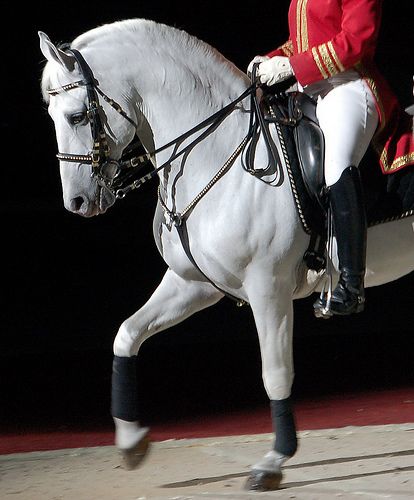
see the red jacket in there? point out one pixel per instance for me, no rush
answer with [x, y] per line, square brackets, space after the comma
[331, 36]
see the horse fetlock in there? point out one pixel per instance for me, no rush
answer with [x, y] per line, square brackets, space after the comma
[271, 462]
[266, 475]
[128, 434]
[132, 442]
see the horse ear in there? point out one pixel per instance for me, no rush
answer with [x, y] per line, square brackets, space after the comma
[53, 53]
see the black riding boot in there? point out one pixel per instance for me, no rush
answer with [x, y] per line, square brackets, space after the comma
[350, 228]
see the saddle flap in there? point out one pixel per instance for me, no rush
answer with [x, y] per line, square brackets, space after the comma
[310, 143]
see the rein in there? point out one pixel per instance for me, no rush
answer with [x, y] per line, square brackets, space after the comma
[99, 158]
[211, 122]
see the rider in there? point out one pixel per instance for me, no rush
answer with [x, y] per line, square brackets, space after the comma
[330, 52]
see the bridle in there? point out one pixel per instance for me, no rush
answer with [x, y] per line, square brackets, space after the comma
[122, 171]
[99, 157]
[117, 175]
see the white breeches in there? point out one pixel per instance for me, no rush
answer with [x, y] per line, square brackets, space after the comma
[348, 117]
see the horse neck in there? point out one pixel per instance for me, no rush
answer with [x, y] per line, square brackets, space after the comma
[174, 111]
[180, 87]
[171, 82]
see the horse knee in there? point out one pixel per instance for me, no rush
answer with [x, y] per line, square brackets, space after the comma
[278, 383]
[127, 341]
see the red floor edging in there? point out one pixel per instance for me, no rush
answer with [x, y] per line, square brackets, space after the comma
[394, 406]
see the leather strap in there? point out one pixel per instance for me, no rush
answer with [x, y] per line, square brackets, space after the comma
[185, 242]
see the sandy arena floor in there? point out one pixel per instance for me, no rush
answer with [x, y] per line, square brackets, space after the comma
[372, 462]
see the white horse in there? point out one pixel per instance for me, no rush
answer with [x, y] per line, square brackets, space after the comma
[245, 235]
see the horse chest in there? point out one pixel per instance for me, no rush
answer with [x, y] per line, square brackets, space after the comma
[170, 247]
[210, 245]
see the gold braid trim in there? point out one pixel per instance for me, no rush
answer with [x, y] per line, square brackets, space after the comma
[402, 160]
[399, 162]
[327, 60]
[304, 26]
[287, 48]
[335, 56]
[298, 26]
[298, 36]
[319, 63]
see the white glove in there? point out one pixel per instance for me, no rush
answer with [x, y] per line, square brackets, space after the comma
[255, 60]
[410, 109]
[274, 70]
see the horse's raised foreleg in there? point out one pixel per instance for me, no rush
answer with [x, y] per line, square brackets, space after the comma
[273, 313]
[174, 300]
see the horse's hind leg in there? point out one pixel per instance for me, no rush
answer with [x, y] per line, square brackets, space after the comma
[273, 313]
[174, 300]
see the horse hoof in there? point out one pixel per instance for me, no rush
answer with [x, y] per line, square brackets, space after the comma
[263, 481]
[133, 457]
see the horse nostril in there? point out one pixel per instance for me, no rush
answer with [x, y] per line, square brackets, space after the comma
[76, 204]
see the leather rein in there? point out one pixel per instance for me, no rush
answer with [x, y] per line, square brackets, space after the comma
[121, 169]
[114, 174]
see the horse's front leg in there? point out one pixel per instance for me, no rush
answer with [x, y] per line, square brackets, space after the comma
[174, 300]
[273, 312]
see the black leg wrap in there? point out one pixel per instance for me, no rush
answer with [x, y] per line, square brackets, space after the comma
[284, 426]
[124, 389]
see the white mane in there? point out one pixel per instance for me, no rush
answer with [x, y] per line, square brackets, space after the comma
[159, 46]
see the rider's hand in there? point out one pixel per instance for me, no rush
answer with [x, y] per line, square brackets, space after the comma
[274, 70]
[255, 60]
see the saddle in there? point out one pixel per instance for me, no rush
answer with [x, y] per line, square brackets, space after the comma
[309, 144]
[387, 197]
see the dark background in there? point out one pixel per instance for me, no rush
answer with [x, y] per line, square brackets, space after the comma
[69, 282]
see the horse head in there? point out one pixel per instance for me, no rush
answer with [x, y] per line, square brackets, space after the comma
[91, 132]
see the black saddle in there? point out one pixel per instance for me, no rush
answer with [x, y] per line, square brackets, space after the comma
[310, 144]
[303, 140]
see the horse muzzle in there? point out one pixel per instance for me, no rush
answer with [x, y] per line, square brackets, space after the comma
[87, 206]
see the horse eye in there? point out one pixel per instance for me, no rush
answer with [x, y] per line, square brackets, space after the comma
[77, 118]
